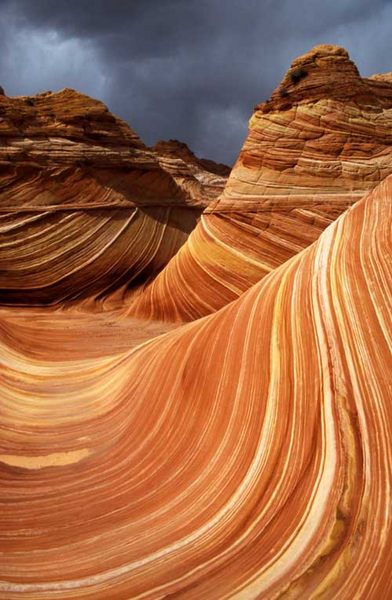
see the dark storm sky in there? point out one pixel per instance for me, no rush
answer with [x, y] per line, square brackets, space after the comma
[185, 69]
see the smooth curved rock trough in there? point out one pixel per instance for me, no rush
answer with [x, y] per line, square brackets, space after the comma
[257, 468]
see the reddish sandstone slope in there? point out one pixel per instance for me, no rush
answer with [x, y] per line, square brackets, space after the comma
[85, 208]
[246, 455]
[321, 141]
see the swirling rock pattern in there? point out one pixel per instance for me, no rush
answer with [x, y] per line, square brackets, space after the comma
[86, 210]
[321, 142]
[245, 455]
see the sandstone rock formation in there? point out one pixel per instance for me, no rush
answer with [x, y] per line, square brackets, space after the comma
[202, 178]
[86, 209]
[246, 454]
[321, 141]
[260, 468]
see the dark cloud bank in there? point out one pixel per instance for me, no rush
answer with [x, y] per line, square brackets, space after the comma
[185, 69]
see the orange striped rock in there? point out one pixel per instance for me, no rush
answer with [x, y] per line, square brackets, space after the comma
[245, 455]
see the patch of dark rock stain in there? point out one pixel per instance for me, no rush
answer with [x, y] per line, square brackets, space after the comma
[297, 75]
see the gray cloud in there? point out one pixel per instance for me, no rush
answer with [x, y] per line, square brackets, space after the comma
[186, 69]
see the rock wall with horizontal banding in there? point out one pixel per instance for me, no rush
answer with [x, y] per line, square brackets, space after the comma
[322, 140]
[87, 211]
[245, 455]
[200, 177]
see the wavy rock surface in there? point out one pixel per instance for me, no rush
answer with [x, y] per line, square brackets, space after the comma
[86, 209]
[321, 142]
[260, 468]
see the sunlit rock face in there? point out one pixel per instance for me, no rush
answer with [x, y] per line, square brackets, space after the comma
[86, 209]
[322, 141]
[245, 455]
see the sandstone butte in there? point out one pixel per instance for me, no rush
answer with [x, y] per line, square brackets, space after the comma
[85, 208]
[246, 454]
[322, 140]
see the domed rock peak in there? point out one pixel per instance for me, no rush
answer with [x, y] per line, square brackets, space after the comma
[325, 71]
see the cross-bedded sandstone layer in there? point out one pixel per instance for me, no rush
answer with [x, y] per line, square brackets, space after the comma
[321, 142]
[86, 209]
[245, 455]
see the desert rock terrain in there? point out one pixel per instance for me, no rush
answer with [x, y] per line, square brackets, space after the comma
[195, 362]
